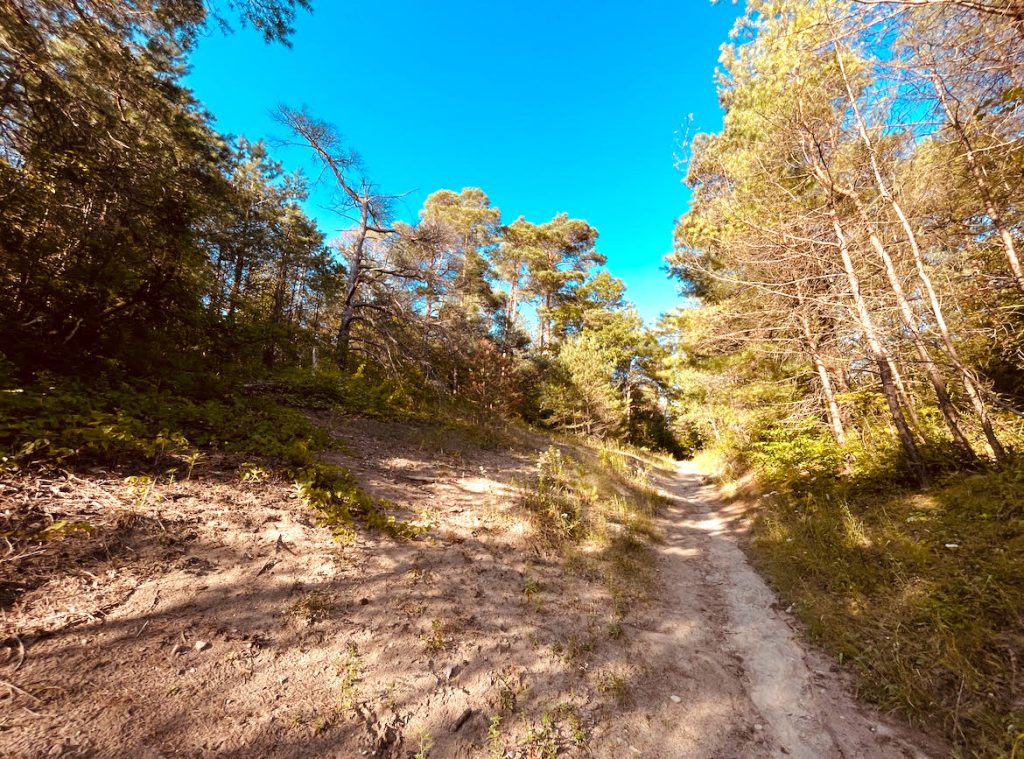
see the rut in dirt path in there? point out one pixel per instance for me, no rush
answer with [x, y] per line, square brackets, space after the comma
[742, 683]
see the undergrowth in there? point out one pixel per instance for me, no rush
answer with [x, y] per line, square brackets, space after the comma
[144, 429]
[921, 592]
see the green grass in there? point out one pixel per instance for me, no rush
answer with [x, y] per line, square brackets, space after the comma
[146, 429]
[52, 423]
[922, 593]
[340, 502]
[350, 673]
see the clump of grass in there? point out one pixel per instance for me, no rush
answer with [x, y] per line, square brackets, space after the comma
[578, 498]
[614, 628]
[576, 650]
[458, 436]
[614, 684]
[314, 606]
[557, 504]
[340, 502]
[531, 587]
[921, 593]
[596, 507]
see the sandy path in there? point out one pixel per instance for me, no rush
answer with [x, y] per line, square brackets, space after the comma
[737, 679]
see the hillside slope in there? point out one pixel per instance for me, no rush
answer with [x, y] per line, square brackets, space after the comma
[213, 616]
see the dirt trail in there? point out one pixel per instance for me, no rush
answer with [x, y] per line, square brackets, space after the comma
[746, 686]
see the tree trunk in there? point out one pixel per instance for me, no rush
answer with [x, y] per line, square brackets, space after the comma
[905, 397]
[969, 381]
[276, 312]
[881, 359]
[348, 312]
[945, 405]
[831, 406]
[240, 251]
[236, 285]
[970, 385]
[949, 412]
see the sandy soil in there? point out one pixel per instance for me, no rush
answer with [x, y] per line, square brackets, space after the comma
[213, 617]
[748, 685]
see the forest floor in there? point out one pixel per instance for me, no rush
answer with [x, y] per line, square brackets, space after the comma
[212, 616]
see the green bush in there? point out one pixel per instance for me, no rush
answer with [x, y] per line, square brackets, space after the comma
[790, 453]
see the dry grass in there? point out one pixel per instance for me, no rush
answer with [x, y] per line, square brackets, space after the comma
[922, 593]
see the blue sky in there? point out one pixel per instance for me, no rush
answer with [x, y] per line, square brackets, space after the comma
[550, 106]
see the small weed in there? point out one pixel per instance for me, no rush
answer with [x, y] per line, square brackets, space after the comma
[413, 609]
[570, 715]
[510, 688]
[140, 488]
[541, 741]
[575, 650]
[190, 462]
[531, 587]
[61, 529]
[425, 743]
[495, 742]
[437, 639]
[350, 671]
[614, 684]
[388, 699]
[249, 472]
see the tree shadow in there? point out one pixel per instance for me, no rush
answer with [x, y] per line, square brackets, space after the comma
[236, 627]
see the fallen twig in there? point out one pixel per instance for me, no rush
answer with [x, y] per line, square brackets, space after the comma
[15, 689]
[21, 651]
